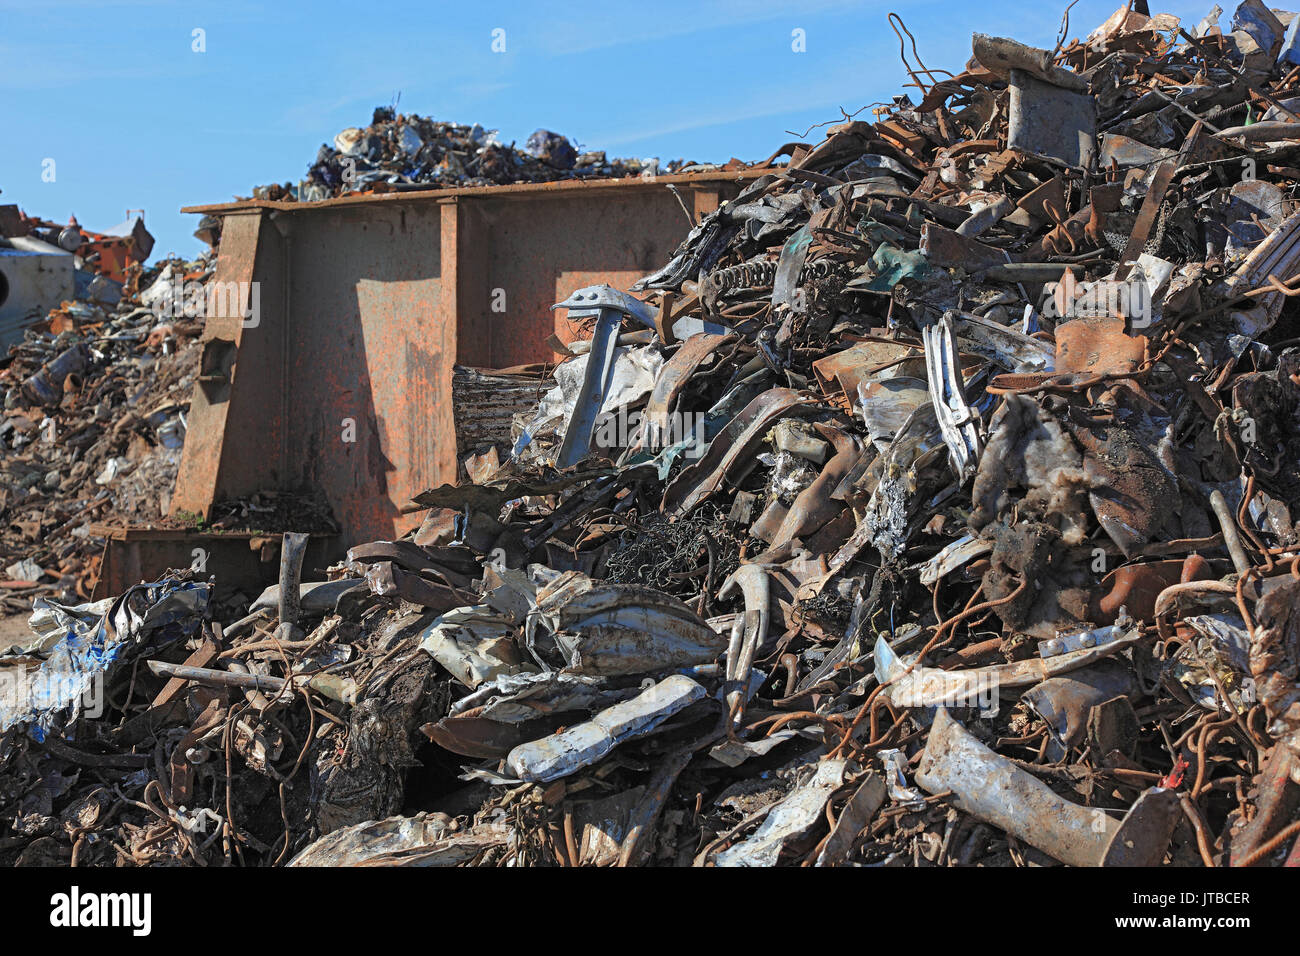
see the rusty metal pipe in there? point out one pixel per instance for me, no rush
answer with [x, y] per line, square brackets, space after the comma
[293, 546]
[342, 689]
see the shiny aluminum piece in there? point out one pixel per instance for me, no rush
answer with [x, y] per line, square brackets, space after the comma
[1098, 637]
[608, 305]
[1006, 347]
[895, 765]
[997, 791]
[748, 633]
[913, 685]
[953, 556]
[790, 818]
[959, 425]
[581, 745]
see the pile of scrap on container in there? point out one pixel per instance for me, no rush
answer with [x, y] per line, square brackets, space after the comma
[934, 505]
[398, 152]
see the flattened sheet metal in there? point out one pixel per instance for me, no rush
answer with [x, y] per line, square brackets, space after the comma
[1047, 120]
[789, 819]
[700, 480]
[559, 755]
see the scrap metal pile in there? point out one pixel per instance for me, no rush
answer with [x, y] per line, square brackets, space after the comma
[402, 152]
[104, 261]
[935, 505]
[93, 421]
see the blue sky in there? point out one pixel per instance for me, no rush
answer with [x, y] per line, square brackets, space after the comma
[134, 118]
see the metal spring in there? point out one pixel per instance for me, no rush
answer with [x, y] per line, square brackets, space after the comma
[1220, 111]
[754, 273]
[760, 273]
[1234, 109]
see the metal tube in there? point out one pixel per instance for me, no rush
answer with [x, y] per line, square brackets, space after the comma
[998, 792]
[1228, 524]
[293, 547]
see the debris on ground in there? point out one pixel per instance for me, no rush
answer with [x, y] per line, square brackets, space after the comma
[95, 394]
[940, 512]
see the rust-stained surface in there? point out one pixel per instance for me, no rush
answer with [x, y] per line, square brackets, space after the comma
[1021, 538]
[545, 247]
[218, 442]
[370, 342]
[367, 303]
[238, 559]
[486, 401]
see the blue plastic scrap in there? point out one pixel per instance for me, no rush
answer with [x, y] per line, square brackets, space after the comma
[40, 688]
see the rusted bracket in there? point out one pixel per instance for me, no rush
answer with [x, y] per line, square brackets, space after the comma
[1155, 197]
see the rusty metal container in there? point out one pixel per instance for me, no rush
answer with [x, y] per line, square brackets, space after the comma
[329, 363]
[242, 560]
